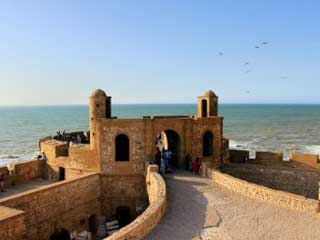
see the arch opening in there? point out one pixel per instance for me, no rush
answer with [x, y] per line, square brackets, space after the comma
[207, 144]
[122, 148]
[61, 234]
[123, 216]
[169, 141]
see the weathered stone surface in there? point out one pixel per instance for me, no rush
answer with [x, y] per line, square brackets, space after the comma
[279, 198]
[298, 181]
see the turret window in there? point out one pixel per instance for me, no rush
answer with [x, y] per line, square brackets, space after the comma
[204, 107]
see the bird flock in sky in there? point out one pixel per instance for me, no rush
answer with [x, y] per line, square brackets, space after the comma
[247, 64]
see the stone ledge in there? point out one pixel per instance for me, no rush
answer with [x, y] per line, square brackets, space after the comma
[9, 213]
[280, 198]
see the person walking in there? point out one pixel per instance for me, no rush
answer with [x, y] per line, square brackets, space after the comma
[196, 166]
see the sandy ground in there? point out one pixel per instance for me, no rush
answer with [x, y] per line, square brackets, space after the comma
[198, 209]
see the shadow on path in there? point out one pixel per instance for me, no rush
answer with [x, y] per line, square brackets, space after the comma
[187, 208]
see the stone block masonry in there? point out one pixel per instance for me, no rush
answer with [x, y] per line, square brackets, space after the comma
[298, 181]
[279, 198]
[147, 221]
[63, 205]
[11, 224]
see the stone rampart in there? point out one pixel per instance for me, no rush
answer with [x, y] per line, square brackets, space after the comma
[238, 156]
[268, 157]
[310, 160]
[279, 198]
[24, 172]
[298, 181]
[149, 219]
[63, 205]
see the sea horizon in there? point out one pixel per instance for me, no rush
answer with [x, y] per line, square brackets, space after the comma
[265, 127]
[164, 103]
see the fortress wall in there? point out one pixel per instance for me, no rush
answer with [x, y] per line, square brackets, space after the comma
[268, 157]
[150, 218]
[123, 191]
[200, 126]
[24, 172]
[60, 205]
[82, 157]
[298, 181]
[108, 130]
[225, 150]
[12, 226]
[238, 156]
[54, 149]
[279, 198]
[310, 160]
[77, 159]
[143, 133]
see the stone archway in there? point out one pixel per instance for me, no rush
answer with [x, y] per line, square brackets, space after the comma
[170, 140]
[123, 216]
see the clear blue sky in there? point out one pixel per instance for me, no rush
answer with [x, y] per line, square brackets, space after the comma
[57, 52]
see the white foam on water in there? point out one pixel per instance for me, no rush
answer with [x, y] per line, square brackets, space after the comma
[6, 159]
[315, 149]
[238, 145]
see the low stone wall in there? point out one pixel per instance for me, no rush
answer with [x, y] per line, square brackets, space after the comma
[24, 172]
[238, 156]
[279, 198]
[63, 205]
[298, 181]
[310, 160]
[268, 157]
[149, 219]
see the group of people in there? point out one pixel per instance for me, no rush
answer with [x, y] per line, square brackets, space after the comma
[81, 137]
[164, 160]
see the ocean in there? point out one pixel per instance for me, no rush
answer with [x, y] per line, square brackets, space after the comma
[249, 126]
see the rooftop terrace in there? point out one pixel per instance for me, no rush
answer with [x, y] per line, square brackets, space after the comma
[23, 187]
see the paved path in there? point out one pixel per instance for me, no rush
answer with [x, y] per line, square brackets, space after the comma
[200, 210]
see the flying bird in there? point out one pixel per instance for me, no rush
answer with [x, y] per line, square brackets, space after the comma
[257, 47]
[247, 92]
[246, 63]
[264, 43]
[220, 53]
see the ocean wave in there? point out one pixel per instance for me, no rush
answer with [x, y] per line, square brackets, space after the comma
[315, 149]
[6, 159]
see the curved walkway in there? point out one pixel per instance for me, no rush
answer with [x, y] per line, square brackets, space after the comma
[200, 210]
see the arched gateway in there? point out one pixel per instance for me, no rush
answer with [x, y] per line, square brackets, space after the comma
[169, 140]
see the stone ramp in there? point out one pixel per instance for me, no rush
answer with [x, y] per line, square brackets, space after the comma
[198, 209]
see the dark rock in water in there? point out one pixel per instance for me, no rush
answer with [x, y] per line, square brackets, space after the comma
[12, 157]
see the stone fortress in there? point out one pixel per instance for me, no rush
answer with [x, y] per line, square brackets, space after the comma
[81, 187]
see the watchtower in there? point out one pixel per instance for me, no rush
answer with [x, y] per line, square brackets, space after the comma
[99, 107]
[208, 105]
